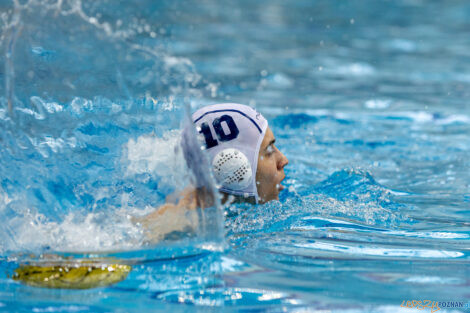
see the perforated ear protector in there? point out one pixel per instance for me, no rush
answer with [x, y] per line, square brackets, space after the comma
[232, 169]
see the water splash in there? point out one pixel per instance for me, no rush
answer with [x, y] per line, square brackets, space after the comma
[13, 30]
[74, 174]
[86, 144]
[64, 49]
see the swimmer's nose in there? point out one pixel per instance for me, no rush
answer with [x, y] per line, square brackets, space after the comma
[283, 161]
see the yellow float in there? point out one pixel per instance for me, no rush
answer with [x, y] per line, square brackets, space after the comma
[69, 274]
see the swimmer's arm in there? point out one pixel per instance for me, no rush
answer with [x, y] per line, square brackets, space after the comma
[171, 217]
[187, 201]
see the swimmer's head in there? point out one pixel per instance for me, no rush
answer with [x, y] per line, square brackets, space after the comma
[240, 147]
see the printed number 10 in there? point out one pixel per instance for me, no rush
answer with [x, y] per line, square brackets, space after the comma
[219, 131]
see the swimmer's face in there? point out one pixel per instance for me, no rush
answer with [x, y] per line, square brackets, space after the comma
[270, 171]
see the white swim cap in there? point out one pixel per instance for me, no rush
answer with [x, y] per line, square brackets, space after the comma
[232, 134]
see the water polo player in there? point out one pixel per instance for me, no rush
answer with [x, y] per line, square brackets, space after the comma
[246, 164]
[241, 150]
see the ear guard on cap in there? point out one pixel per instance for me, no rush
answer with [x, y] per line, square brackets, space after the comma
[232, 169]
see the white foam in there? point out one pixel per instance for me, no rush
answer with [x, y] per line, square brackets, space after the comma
[454, 118]
[68, 308]
[377, 103]
[91, 232]
[354, 69]
[157, 156]
[380, 251]
[426, 280]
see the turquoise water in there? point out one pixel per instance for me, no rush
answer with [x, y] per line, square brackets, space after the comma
[367, 100]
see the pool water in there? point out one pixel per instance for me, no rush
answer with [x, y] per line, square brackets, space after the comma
[367, 100]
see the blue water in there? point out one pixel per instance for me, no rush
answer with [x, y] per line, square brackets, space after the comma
[368, 101]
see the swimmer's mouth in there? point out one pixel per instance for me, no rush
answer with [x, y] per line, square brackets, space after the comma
[280, 187]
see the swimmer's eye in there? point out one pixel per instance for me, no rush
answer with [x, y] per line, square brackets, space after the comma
[269, 150]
